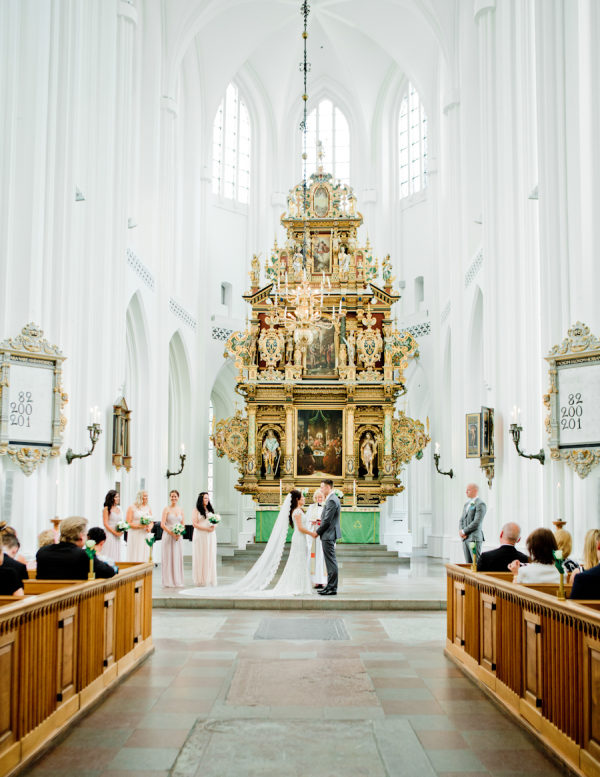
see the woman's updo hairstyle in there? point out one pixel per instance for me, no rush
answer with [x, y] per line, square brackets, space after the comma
[296, 497]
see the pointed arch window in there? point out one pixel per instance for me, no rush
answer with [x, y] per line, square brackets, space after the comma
[327, 123]
[232, 141]
[412, 144]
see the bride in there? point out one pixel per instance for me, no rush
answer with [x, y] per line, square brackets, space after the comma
[295, 578]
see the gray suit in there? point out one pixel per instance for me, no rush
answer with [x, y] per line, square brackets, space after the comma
[470, 523]
[329, 531]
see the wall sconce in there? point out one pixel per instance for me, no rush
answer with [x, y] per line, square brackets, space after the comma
[515, 432]
[182, 462]
[436, 458]
[95, 432]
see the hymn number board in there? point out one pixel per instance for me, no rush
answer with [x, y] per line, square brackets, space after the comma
[31, 399]
[579, 405]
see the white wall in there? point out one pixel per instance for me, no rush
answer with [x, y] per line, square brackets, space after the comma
[117, 99]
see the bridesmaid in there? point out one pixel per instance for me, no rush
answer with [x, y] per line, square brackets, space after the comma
[172, 544]
[204, 543]
[137, 550]
[111, 515]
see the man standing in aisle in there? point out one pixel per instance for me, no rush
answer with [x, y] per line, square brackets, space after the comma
[471, 519]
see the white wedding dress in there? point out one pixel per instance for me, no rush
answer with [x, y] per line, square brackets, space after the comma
[295, 578]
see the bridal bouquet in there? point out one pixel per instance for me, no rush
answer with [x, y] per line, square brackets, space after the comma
[90, 548]
[145, 520]
[304, 491]
[122, 526]
[214, 519]
[178, 530]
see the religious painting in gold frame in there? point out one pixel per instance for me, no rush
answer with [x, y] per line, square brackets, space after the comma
[319, 442]
[321, 202]
[320, 354]
[321, 252]
[473, 435]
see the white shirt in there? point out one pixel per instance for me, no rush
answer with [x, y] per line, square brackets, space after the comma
[538, 573]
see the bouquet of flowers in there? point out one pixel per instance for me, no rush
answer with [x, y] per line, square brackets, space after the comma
[214, 518]
[145, 520]
[558, 561]
[304, 491]
[339, 493]
[122, 526]
[178, 530]
[90, 548]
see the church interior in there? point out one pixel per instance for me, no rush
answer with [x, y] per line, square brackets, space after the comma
[295, 268]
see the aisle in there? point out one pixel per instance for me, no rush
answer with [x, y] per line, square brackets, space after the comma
[230, 694]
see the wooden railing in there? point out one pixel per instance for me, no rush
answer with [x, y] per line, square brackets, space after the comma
[538, 655]
[61, 647]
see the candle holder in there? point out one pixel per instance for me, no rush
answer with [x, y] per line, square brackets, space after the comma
[180, 470]
[95, 432]
[515, 432]
[436, 458]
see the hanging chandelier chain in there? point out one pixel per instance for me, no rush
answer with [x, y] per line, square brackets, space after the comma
[304, 10]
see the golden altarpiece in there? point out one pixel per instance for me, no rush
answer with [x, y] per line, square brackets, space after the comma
[320, 367]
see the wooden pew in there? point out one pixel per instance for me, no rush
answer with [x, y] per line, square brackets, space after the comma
[61, 649]
[537, 655]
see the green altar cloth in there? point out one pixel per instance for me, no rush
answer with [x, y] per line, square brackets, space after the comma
[360, 525]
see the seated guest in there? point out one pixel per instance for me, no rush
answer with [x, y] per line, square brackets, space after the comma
[10, 583]
[67, 560]
[586, 585]
[540, 545]
[98, 534]
[10, 548]
[565, 543]
[8, 531]
[46, 537]
[498, 560]
[590, 544]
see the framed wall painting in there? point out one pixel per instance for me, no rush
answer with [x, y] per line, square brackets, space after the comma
[473, 435]
[321, 252]
[487, 431]
[319, 442]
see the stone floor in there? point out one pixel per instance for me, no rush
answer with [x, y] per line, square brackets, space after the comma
[230, 693]
[416, 582]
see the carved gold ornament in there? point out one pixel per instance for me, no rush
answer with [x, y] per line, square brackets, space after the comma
[409, 439]
[230, 438]
[369, 343]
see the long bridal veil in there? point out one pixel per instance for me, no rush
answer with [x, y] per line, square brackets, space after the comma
[264, 570]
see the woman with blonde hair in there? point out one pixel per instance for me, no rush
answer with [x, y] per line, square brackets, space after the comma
[590, 545]
[137, 549]
[318, 570]
[565, 543]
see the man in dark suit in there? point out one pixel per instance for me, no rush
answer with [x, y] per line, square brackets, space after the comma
[498, 560]
[329, 531]
[586, 585]
[67, 560]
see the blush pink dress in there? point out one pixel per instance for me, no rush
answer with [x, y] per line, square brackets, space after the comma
[112, 546]
[137, 550]
[204, 554]
[172, 555]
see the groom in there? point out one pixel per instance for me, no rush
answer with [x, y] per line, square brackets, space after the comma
[329, 531]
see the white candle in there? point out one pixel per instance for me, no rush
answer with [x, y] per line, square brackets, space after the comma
[560, 501]
[340, 311]
[182, 449]
[437, 448]
[354, 489]
[56, 500]
[280, 490]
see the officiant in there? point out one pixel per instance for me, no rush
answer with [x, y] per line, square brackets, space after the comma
[318, 570]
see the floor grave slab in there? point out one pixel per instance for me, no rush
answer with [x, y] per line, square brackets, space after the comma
[302, 628]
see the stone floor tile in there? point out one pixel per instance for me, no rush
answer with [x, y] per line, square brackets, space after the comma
[528, 761]
[399, 707]
[198, 707]
[498, 739]
[134, 773]
[67, 757]
[177, 720]
[142, 758]
[442, 740]
[157, 737]
[405, 694]
[397, 682]
[92, 738]
[430, 723]
[455, 761]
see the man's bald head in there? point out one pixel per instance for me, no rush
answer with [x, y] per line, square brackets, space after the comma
[511, 533]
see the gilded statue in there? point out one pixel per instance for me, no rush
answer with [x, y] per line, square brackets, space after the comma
[271, 453]
[368, 453]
